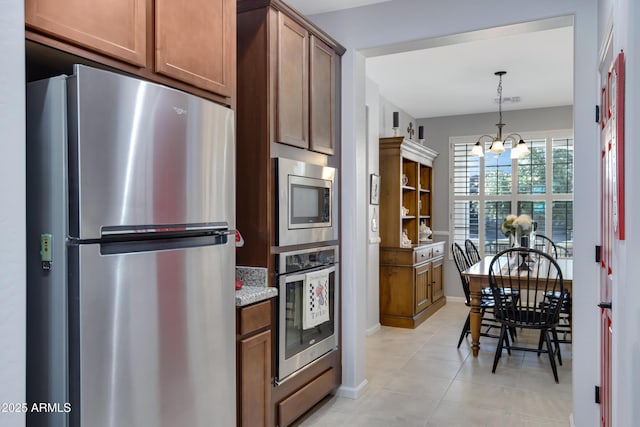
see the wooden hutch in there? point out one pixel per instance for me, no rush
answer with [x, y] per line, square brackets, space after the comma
[411, 287]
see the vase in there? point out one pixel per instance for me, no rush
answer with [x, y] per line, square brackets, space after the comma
[524, 238]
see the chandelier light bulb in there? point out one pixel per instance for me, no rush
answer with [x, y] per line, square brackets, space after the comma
[497, 147]
[522, 148]
[477, 151]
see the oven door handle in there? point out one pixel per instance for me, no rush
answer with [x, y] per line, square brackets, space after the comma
[294, 277]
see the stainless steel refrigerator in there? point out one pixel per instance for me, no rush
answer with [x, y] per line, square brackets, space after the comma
[131, 263]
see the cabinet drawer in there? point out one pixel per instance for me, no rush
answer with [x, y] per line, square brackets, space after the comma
[421, 255]
[254, 317]
[295, 405]
[438, 250]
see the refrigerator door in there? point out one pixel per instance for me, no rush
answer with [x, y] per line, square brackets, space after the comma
[46, 211]
[155, 337]
[142, 153]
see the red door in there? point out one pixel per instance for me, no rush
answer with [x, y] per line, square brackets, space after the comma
[612, 211]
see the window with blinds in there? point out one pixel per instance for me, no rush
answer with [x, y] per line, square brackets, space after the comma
[484, 190]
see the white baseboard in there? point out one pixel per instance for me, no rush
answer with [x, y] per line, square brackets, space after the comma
[372, 330]
[352, 392]
[456, 299]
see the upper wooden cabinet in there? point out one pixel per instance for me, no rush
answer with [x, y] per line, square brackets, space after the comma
[298, 65]
[323, 88]
[116, 28]
[306, 75]
[292, 122]
[196, 43]
[406, 171]
[192, 43]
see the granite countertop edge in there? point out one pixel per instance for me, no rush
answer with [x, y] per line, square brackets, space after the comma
[252, 294]
[256, 287]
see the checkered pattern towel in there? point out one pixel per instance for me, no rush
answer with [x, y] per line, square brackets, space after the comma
[315, 302]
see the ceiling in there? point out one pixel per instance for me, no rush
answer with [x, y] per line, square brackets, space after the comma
[311, 7]
[458, 77]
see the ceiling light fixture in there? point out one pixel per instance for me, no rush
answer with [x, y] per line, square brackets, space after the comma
[519, 147]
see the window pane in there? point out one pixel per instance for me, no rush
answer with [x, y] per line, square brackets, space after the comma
[494, 213]
[562, 153]
[468, 196]
[562, 227]
[497, 173]
[536, 210]
[466, 170]
[465, 220]
[532, 169]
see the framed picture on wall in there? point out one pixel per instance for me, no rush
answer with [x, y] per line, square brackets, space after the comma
[374, 189]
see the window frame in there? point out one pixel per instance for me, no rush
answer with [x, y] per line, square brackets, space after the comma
[548, 197]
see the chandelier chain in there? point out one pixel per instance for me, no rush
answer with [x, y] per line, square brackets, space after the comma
[500, 98]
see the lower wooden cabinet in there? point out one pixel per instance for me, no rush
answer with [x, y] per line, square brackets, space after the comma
[437, 285]
[254, 374]
[255, 384]
[422, 287]
[411, 285]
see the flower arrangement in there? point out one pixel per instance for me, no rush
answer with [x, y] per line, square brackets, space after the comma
[507, 227]
[522, 223]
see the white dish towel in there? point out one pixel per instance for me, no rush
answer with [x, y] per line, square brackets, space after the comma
[315, 301]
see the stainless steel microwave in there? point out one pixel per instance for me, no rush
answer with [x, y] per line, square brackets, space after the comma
[307, 203]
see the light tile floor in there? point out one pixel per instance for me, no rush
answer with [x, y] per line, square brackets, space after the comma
[419, 378]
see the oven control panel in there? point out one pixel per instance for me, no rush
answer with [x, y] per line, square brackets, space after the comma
[291, 262]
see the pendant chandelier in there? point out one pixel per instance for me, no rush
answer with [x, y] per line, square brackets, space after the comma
[519, 147]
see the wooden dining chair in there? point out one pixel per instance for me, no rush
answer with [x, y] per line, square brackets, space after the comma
[533, 274]
[472, 251]
[545, 244]
[486, 303]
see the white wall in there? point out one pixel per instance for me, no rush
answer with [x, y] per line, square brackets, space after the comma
[12, 210]
[625, 15]
[401, 21]
[437, 132]
[373, 225]
[386, 111]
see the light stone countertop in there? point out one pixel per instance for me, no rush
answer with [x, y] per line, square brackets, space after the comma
[255, 286]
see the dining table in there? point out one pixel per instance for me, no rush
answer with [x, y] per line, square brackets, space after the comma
[478, 275]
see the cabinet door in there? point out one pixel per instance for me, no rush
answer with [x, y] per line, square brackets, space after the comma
[437, 289]
[422, 287]
[255, 376]
[117, 28]
[322, 97]
[196, 42]
[292, 102]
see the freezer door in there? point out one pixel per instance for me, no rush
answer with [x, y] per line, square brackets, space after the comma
[142, 153]
[153, 337]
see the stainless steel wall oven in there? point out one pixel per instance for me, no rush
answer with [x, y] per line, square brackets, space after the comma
[300, 342]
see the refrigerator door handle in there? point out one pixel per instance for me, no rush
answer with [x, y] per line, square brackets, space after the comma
[224, 232]
[217, 229]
